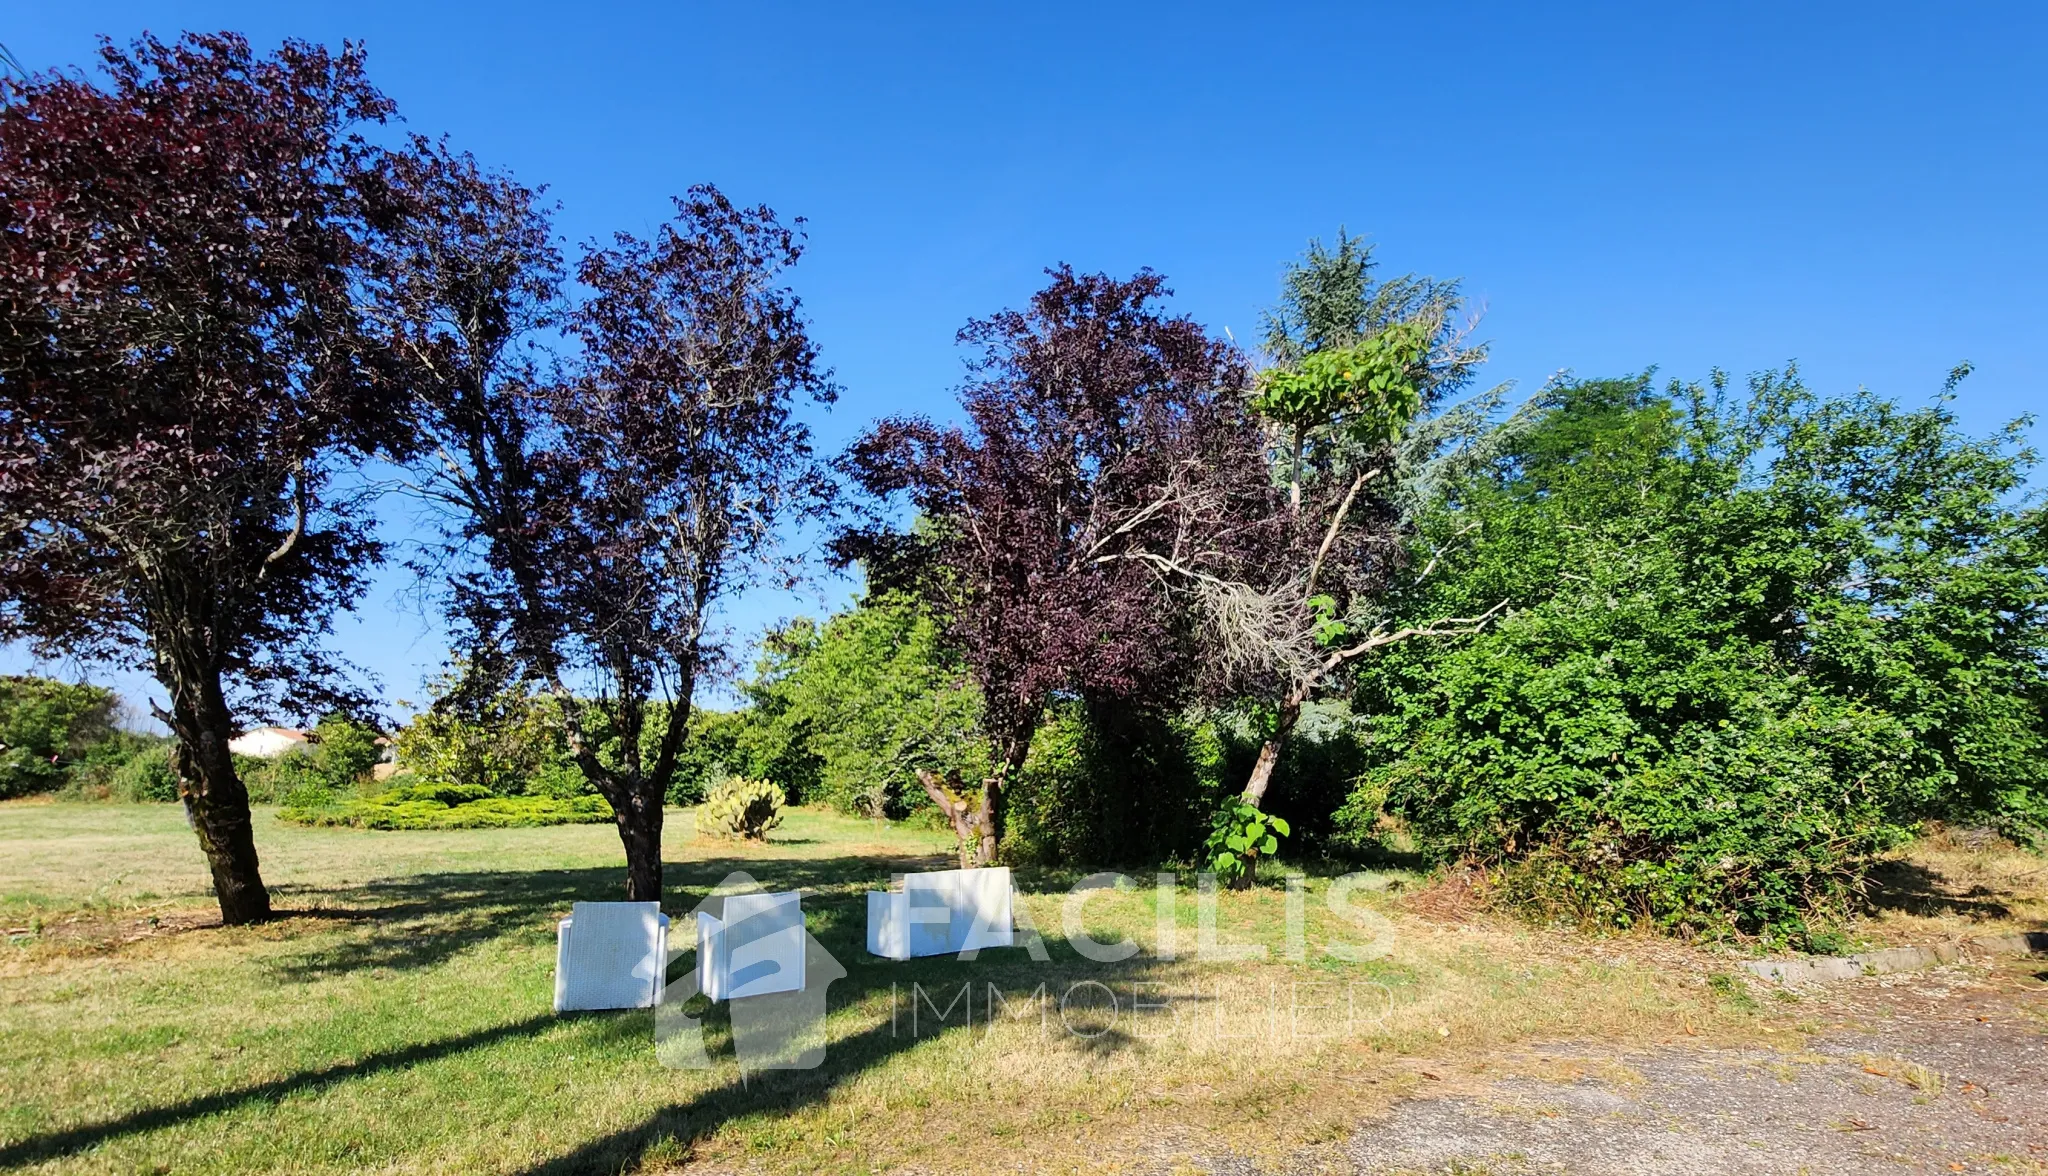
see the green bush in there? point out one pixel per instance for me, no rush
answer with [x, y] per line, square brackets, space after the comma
[268, 781]
[1109, 786]
[742, 808]
[339, 761]
[46, 726]
[710, 752]
[1753, 647]
[1239, 835]
[847, 712]
[495, 735]
[145, 777]
[442, 806]
[345, 754]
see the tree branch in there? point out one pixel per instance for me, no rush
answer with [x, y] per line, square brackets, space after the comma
[1315, 567]
[1442, 627]
[291, 540]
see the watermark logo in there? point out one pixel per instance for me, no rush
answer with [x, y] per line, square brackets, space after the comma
[755, 953]
[773, 973]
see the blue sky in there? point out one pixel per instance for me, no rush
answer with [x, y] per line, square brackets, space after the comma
[1857, 187]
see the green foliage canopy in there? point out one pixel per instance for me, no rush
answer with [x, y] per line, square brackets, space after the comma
[45, 723]
[1755, 644]
[855, 707]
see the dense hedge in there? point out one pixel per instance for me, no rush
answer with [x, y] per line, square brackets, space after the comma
[50, 731]
[442, 806]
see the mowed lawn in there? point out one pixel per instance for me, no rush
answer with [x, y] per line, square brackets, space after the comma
[397, 1019]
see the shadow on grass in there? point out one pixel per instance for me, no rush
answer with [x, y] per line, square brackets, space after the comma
[954, 998]
[1911, 888]
[75, 1139]
[423, 921]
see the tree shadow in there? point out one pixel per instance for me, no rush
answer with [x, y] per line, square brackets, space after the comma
[55, 1144]
[1914, 889]
[957, 991]
[958, 1002]
[422, 921]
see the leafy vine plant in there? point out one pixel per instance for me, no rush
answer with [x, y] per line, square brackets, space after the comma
[1239, 835]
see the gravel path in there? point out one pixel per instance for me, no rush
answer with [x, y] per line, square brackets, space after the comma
[1934, 1072]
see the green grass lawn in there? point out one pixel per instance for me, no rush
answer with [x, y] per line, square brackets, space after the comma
[397, 1018]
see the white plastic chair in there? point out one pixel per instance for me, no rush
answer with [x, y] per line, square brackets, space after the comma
[610, 955]
[940, 913]
[752, 947]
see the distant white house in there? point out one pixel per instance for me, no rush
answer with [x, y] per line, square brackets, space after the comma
[271, 742]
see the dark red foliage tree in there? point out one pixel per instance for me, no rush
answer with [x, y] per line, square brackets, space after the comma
[608, 509]
[1099, 430]
[467, 280]
[182, 375]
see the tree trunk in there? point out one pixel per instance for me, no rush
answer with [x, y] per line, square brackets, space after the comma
[969, 827]
[978, 826]
[1269, 752]
[995, 792]
[214, 796]
[638, 813]
[990, 819]
[636, 797]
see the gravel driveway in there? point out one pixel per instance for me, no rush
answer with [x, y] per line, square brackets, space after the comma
[1939, 1071]
[1943, 1071]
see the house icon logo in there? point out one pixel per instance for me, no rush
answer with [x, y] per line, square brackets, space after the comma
[754, 952]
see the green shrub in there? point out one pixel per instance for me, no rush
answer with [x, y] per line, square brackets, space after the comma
[339, 760]
[345, 754]
[1239, 835]
[1109, 786]
[742, 808]
[269, 781]
[145, 777]
[442, 806]
[45, 727]
[496, 735]
[846, 713]
[1752, 649]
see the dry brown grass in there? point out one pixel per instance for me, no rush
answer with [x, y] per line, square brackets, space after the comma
[1955, 884]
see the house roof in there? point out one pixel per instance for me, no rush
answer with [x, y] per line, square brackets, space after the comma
[287, 732]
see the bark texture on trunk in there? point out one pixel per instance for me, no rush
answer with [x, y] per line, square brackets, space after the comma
[639, 819]
[974, 821]
[636, 796]
[1269, 752]
[215, 799]
[990, 819]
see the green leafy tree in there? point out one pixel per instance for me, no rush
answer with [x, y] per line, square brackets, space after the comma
[501, 737]
[867, 705]
[1753, 645]
[711, 752]
[1356, 364]
[46, 724]
[346, 752]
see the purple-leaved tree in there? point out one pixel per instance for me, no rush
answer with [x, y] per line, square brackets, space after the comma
[597, 516]
[1098, 428]
[184, 373]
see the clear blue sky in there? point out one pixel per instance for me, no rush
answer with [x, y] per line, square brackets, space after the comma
[1858, 187]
